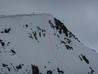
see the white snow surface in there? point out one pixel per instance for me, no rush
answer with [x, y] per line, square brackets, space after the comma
[27, 40]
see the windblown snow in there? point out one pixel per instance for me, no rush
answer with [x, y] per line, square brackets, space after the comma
[42, 44]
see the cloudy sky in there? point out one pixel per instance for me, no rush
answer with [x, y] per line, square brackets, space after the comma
[81, 16]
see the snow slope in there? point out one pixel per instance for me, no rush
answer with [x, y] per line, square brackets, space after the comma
[41, 44]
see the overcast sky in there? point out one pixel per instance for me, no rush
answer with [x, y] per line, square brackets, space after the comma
[81, 16]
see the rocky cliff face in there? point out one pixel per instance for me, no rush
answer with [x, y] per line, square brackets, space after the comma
[42, 44]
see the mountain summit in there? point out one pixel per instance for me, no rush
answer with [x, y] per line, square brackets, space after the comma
[42, 44]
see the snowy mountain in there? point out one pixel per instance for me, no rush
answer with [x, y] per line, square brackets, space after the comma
[41, 44]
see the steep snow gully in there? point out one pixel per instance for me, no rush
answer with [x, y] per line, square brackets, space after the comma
[42, 44]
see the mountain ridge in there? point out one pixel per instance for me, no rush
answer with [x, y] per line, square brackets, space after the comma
[34, 44]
